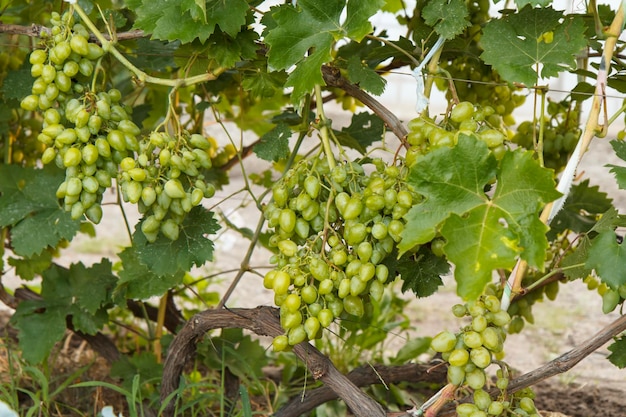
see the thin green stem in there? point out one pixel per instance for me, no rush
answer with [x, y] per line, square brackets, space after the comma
[324, 122]
[552, 273]
[109, 46]
[616, 115]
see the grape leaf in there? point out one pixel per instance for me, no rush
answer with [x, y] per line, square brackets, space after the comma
[521, 3]
[607, 257]
[139, 282]
[449, 18]
[274, 145]
[166, 257]
[357, 24]
[618, 352]
[482, 233]
[574, 263]
[365, 129]
[452, 181]
[303, 36]
[517, 44]
[79, 292]
[30, 206]
[619, 171]
[263, 84]
[422, 273]
[28, 268]
[186, 20]
[609, 221]
[364, 76]
[45, 328]
[17, 84]
[155, 55]
[582, 206]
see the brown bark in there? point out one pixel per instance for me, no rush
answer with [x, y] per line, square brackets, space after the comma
[262, 321]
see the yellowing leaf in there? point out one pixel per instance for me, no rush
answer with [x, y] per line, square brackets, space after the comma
[482, 233]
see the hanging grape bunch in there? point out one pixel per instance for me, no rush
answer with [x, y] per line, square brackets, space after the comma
[425, 135]
[333, 228]
[87, 132]
[471, 351]
[165, 180]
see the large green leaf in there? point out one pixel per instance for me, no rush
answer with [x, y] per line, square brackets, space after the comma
[137, 281]
[186, 20]
[618, 352]
[80, 292]
[30, 206]
[303, 35]
[607, 257]
[38, 332]
[482, 232]
[274, 145]
[519, 43]
[449, 18]
[166, 257]
[422, 272]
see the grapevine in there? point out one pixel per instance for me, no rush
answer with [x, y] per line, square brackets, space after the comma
[470, 190]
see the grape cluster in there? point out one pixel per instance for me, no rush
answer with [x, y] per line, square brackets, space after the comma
[165, 180]
[471, 351]
[332, 228]
[561, 131]
[473, 80]
[465, 119]
[86, 132]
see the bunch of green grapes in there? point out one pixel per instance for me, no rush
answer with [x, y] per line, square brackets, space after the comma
[332, 228]
[165, 180]
[85, 131]
[561, 132]
[473, 80]
[471, 351]
[465, 119]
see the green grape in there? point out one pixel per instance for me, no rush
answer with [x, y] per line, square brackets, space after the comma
[473, 339]
[458, 357]
[480, 357]
[296, 335]
[280, 343]
[312, 326]
[482, 399]
[456, 375]
[476, 378]
[292, 302]
[443, 342]
[353, 305]
[326, 317]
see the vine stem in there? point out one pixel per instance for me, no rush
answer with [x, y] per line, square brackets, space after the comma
[324, 122]
[514, 283]
[109, 46]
